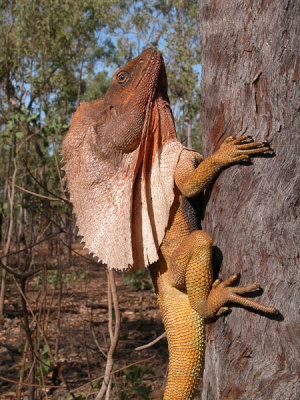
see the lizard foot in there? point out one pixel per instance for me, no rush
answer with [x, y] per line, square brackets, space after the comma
[222, 293]
[240, 149]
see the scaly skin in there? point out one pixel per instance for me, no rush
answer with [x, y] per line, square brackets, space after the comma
[183, 275]
[113, 149]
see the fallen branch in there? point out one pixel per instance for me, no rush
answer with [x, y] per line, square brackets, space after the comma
[146, 346]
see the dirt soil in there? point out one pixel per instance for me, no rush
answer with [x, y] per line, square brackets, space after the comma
[83, 334]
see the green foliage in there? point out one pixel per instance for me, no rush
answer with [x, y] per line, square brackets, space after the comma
[44, 367]
[135, 373]
[129, 384]
[53, 278]
[132, 386]
[139, 280]
[97, 384]
[81, 396]
[96, 86]
[50, 54]
[45, 364]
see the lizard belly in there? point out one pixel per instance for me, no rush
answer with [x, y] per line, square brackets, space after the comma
[183, 220]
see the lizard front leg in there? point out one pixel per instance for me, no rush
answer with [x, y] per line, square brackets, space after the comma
[191, 181]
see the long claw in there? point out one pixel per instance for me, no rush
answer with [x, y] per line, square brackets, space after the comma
[252, 304]
[241, 139]
[255, 151]
[245, 289]
[251, 145]
[244, 157]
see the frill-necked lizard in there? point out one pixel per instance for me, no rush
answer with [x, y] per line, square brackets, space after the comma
[130, 182]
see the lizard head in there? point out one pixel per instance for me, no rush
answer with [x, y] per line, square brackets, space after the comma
[131, 94]
[104, 129]
[136, 81]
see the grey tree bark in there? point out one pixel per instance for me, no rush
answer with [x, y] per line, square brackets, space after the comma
[250, 72]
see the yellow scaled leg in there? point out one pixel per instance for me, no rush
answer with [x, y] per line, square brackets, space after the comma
[191, 265]
[185, 333]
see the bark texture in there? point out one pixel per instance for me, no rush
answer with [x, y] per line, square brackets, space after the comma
[250, 61]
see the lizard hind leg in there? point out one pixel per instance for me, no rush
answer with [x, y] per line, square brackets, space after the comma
[197, 247]
[184, 325]
[191, 265]
[186, 342]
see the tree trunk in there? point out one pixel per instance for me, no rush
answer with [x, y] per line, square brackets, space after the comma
[250, 85]
[189, 134]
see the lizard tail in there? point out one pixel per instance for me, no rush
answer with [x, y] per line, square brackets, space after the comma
[185, 333]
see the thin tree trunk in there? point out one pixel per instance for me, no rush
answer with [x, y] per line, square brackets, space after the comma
[22, 372]
[113, 333]
[189, 134]
[69, 233]
[5, 188]
[60, 294]
[11, 198]
[250, 85]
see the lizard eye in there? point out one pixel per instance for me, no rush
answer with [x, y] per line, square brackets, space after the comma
[123, 76]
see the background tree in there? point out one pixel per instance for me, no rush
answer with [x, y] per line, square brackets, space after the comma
[250, 85]
[183, 53]
[49, 48]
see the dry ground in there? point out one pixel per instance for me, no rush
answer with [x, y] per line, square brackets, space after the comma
[84, 312]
